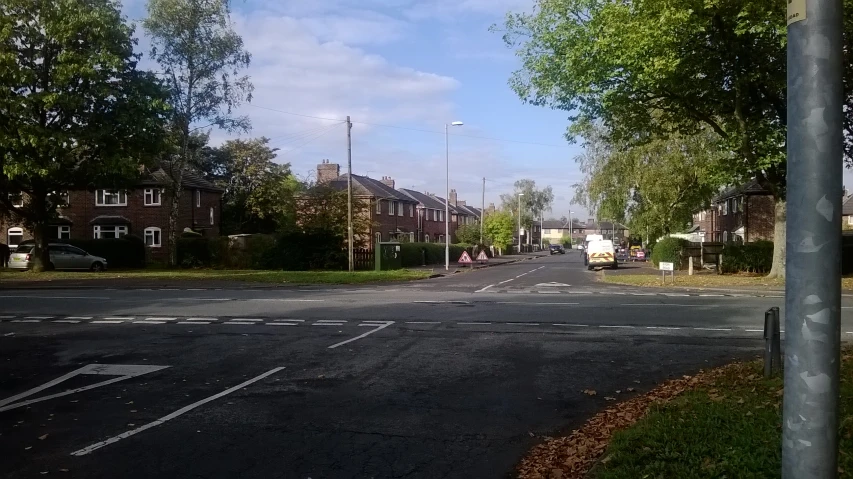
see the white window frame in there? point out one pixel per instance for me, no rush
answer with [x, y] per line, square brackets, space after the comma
[392, 206]
[198, 198]
[378, 207]
[156, 237]
[411, 211]
[400, 207]
[17, 231]
[101, 196]
[850, 220]
[120, 230]
[149, 195]
[63, 229]
[426, 238]
[211, 215]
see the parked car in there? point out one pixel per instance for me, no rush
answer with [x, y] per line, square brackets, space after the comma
[62, 256]
[557, 249]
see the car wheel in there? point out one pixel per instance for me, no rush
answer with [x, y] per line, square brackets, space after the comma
[97, 266]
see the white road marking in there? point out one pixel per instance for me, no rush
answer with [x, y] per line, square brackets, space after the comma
[536, 304]
[82, 318]
[26, 320]
[38, 317]
[69, 321]
[505, 281]
[675, 294]
[524, 324]
[754, 330]
[149, 322]
[193, 322]
[196, 289]
[712, 295]
[579, 292]
[6, 317]
[106, 321]
[125, 371]
[286, 300]
[642, 294]
[671, 304]
[196, 299]
[161, 319]
[333, 321]
[290, 320]
[203, 319]
[423, 322]
[54, 297]
[613, 326]
[484, 289]
[387, 323]
[712, 329]
[473, 323]
[572, 325]
[328, 324]
[548, 292]
[281, 324]
[240, 322]
[179, 412]
[120, 318]
[246, 320]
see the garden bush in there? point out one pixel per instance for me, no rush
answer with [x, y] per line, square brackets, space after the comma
[413, 253]
[754, 257]
[125, 252]
[669, 250]
[305, 250]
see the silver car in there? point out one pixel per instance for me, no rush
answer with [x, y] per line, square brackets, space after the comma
[62, 256]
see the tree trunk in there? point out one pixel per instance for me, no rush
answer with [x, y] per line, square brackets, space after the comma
[779, 238]
[41, 253]
[174, 211]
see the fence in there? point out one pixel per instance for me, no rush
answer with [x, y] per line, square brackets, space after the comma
[703, 253]
[363, 259]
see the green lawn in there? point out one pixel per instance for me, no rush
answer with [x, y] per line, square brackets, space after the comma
[255, 276]
[729, 428]
[705, 280]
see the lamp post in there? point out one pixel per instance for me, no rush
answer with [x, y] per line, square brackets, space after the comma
[571, 229]
[447, 195]
[519, 221]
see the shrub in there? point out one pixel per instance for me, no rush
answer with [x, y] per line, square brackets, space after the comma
[126, 252]
[415, 253]
[195, 252]
[754, 257]
[669, 250]
[300, 251]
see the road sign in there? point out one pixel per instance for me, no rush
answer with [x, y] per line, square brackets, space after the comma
[465, 258]
[482, 256]
[667, 266]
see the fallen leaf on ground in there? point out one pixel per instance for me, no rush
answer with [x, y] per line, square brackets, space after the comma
[42, 438]
[590, 392]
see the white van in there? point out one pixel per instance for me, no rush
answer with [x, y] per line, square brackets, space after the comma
[585, 249]
[601, 253]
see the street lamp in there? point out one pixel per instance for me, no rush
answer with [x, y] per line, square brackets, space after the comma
[571, 228]
[519, 221]
[447, 195]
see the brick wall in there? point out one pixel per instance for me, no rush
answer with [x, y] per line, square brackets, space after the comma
[433, 227]
[761, 217]
[756, 216]
[386, 224]
[82, 210]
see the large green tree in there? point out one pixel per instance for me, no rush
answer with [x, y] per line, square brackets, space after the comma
[534, 202]
[201, 57]
[654, 186]
[498, 228]
[74, 109]
[667, 66]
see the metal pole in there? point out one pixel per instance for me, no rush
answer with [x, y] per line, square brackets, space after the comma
[483, 211]
[813, 233]
[447, 200]
[350, 255]
[519, 224]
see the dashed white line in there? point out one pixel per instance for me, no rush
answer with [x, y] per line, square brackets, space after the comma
[291, 320]
[203, 319]
[161, 319]
[26, 320]
[179, 412]
[328, 324]
[120, 318]
[281, 324]
[149, 322]
[524, 324]
[240, 322]
[106, 321]
[69, 321]
[38, 317]
[378, 328]
[81, 318]
[246, 320]
[572, 325]
[332, 321]
[680, 295]
[423, 322]
[193, 322]
[614, 326]
[712, 329]
[6, 317]
[483, 290]
[754, 330]
[711, 295]
[288, 300]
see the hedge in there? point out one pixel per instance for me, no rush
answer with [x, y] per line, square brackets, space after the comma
[754, 257]
[669, 250]
[126, 252]
[418, 254]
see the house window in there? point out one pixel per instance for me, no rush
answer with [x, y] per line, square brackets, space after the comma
[546, 231]
[110, 198]
[62, 232]
[392, 205]
[197, 199]
[110, 231]
[152, 196]
[850, 220]
[378, 207]
[725, 207]
[153, 237]
[211, 216]
[400, 207]
[411, 211]
[15, 236]
[426, 238]
[17, 199]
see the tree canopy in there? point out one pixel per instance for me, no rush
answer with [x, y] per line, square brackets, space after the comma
[534, 202]
[498, 227]
[74, 109]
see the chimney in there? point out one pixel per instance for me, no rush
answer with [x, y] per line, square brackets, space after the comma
[590, 221]
[462, 203]
[388, 181]
[491, 208]
[453, 198]
[327, 172]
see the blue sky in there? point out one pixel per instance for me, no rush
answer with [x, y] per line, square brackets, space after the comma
[405, 65]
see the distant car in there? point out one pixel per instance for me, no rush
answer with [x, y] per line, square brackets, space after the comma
[557, 249]
[62, 256]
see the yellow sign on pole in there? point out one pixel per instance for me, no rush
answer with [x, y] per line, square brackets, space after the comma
[796, 11]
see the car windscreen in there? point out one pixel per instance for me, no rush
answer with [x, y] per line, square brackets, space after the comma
[24, 248]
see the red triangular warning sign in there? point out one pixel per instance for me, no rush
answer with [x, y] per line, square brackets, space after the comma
[465, 258]
[482, 256]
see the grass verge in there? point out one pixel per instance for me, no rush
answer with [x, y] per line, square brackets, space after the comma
[696, 281]
[254, 276]
[720, 423]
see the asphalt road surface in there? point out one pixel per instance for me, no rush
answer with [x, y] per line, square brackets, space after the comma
[453, 377]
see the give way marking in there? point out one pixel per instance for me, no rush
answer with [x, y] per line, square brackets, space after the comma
[379, 325]
[123, 371]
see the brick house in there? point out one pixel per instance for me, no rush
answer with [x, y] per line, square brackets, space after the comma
[430, 226]
[742, 213]
[392, 214]
[142, 211]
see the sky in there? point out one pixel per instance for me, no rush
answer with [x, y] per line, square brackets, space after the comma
[401, 69]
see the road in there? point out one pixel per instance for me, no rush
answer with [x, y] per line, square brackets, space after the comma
[450, 377]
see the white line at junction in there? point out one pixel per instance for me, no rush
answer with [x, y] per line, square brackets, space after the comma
[378, 328]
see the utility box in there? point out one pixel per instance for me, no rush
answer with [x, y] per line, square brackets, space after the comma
[388, 256]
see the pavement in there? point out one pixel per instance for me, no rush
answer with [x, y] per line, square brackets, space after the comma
[452, 377]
